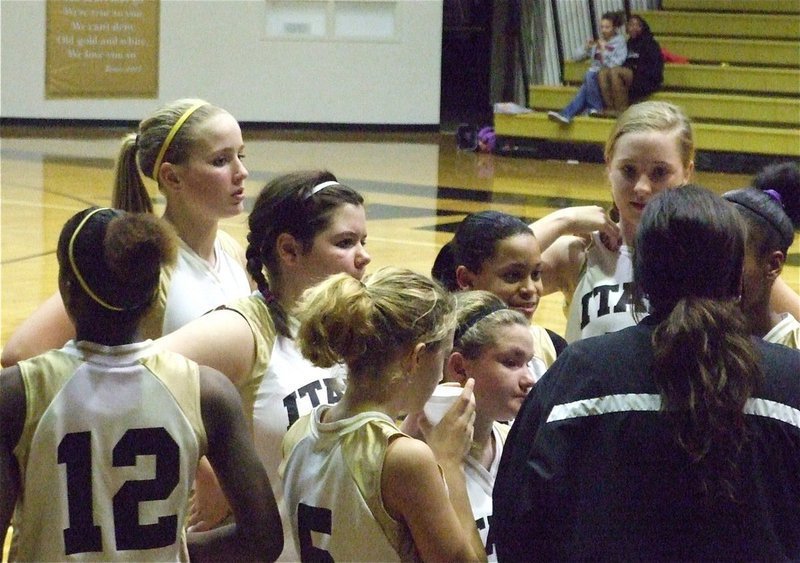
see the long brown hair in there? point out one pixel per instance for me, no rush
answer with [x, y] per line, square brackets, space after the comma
[688, 264]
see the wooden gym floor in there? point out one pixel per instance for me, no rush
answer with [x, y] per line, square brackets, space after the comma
[417, 187]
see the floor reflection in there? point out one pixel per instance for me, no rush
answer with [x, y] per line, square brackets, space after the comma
[417, 187]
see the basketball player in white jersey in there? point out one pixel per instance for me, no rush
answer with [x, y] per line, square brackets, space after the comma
[99, 440]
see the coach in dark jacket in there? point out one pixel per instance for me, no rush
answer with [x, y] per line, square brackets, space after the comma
[677, 439]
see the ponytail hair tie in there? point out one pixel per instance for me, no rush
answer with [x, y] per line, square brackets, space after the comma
[774, 195]
[79, 272]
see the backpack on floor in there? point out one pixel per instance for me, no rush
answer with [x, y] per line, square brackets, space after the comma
[470, 138]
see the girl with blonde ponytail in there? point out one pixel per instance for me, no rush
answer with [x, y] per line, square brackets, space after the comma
[676, 439]
[366, 490]
[193, 150]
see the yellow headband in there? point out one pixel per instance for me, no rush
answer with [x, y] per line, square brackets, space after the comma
[74, 264]
[171, 135]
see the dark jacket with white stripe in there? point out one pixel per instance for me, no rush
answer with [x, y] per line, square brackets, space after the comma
[591, 471]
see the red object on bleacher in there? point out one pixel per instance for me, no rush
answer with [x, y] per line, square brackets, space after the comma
[672, 57]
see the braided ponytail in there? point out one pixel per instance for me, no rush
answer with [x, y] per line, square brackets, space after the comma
[256, 266]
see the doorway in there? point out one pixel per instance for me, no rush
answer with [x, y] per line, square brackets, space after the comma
[466, 63]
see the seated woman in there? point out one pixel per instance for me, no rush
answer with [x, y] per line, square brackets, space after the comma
[639, 76]
[608, 51]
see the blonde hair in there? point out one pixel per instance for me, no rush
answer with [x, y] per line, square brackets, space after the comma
[483, 333]
[368, 324]
[654, 116]
[139, 151]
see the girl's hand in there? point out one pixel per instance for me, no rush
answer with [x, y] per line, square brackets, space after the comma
[208, 506]
[585, 219]
[451, 439]
[611, 243]
[410, 424]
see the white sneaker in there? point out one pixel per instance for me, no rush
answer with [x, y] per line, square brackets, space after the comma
[595, 113]
[555, 116]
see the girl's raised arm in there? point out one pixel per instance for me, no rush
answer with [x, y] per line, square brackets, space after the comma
[257, 532]
[12, 420]
[783, 299]
[562, 263]
[578, 220]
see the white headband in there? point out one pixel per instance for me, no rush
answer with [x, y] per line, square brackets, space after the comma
[321, 186]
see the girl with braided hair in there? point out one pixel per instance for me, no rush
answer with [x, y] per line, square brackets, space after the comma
[304, 227]
[193, 150]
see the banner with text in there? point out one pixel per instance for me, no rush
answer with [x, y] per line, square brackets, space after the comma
[102, 49]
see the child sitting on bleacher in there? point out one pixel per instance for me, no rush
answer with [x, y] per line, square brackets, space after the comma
[608, 51]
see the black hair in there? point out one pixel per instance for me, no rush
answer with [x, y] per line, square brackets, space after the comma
[645, 26]
[700, 251]
[444, 267]
[771, 207]
[110, 263]
[474, 243]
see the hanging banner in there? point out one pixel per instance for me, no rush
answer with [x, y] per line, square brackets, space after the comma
[102, 49]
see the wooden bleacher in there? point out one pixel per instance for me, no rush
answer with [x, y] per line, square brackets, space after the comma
[741, 88]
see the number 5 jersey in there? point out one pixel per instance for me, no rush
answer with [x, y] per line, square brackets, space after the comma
[332, 484]
[108, 454]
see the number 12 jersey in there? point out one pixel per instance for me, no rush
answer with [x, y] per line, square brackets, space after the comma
[107, 454]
